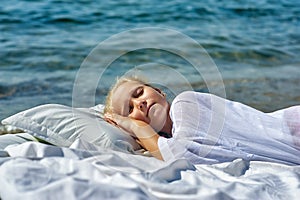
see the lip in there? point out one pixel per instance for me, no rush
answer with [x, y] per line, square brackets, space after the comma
[148, 109]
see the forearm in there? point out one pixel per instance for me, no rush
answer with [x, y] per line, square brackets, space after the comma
[148, 137]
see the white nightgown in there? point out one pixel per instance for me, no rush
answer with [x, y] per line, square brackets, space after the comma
[209, 129]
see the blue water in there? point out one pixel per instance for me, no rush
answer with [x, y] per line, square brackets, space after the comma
[255, 45]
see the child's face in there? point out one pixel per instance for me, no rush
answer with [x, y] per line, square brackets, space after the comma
[141, 102]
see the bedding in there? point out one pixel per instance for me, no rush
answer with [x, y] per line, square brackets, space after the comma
[77, 164]
[18, 138]
[61, 125]
[87, 171]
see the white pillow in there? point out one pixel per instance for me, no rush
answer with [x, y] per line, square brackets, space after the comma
[61, 125]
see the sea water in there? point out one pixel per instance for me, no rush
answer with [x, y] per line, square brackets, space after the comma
[254, 44]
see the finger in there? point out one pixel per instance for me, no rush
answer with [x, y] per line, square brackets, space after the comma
[117, 118]
[111, 121]
[109, 118]
[139, 142]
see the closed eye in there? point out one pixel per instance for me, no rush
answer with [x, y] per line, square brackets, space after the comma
[138, 92]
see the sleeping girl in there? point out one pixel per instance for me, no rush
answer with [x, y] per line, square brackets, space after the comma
[201, 127]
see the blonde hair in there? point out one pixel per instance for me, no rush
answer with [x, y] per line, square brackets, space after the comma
[124, 79]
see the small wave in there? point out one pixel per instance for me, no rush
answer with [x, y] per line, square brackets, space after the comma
[11, 21]
[34, 88]
[253, 12]
[66, 20]
[6, 91]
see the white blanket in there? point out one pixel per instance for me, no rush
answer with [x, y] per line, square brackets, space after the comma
[85, 171]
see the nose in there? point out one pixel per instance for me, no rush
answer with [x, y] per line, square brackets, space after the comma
[141, 104]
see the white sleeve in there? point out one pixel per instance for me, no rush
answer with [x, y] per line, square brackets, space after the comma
[172, 149]
[188, 132]
[247, 133]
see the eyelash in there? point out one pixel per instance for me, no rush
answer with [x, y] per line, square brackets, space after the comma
[137, 94]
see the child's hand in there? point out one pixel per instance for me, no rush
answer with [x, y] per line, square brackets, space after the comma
[144, 134]
[109, 119]
[126, 123]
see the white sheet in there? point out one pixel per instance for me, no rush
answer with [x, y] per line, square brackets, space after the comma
[39, 171]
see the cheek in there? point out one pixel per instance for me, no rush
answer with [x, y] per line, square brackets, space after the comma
[158, 115]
